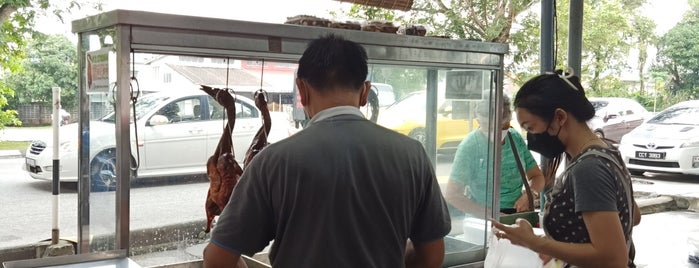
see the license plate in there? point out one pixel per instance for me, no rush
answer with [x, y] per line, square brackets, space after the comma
[31, 162]
[650, 155]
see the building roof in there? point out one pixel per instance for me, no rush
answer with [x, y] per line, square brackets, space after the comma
[213, 76]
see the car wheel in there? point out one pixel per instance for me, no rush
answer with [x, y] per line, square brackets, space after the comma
[419, 135]
[599, 133]
[636, 172]
[103, 171]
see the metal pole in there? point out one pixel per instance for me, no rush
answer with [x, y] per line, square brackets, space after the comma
[84, 149]
[123, 137]
[575, 28]
[546, 56]
[431, 116]
[56, 165]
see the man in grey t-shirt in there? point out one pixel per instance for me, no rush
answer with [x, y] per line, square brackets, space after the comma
[344, 192]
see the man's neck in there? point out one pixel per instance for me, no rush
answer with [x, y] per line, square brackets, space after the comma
[321, 102]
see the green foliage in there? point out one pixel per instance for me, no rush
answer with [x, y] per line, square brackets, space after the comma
[678, 55]
[608, 36]
[51, 62]
[480, 20]
[14, 145]
[403, 80]
[16, 27]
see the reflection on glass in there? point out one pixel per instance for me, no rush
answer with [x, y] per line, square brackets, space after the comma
[459, 93]
[179, 127]
[101, 73]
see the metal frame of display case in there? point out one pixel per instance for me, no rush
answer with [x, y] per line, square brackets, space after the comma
[146, 32]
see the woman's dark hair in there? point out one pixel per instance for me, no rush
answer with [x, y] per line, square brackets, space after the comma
[545, 93]
[331, 61]
[542, 95]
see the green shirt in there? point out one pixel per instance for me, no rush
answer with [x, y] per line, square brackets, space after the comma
[472, 168]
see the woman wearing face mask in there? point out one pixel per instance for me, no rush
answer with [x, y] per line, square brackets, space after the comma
[590, 211]
[468, 182]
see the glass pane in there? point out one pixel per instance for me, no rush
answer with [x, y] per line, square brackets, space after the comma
[465, 159]
[100, 64]
[179, 127]
[459, 94]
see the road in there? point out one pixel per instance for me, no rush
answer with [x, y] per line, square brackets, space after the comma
[25, 205]
[25, 210]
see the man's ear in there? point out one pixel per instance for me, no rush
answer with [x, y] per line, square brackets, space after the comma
[303, 91]
[364, 93]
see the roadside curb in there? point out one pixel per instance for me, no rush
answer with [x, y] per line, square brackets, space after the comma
[659, 203]
[9, 154]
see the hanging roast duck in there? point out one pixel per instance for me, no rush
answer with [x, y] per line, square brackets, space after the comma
[222, 169]
[260, 140]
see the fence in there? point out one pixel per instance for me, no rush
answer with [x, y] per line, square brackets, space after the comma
[39, 114]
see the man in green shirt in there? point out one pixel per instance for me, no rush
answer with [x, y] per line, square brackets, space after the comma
[470, 181]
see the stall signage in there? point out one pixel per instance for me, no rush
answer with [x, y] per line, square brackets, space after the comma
[465, 85]
[98, 70]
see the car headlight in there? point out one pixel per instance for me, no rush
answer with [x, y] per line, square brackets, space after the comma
[68, 146]
[691, 143]
[624, 139]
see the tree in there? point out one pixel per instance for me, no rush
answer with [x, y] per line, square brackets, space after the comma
[16, 26]
[678, 55]
[51, 62]
[608, 36]
[479, 20]
[643, 36]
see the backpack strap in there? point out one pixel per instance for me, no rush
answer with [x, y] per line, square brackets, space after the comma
[627, 188]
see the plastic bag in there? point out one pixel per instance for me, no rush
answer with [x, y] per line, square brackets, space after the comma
[503, 254]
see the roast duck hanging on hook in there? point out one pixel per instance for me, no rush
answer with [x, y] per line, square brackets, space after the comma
[222, 168]
[260, 140]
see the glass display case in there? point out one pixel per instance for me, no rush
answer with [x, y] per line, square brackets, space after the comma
[142, 182]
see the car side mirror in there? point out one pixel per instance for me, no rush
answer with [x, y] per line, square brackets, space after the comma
[157, 120]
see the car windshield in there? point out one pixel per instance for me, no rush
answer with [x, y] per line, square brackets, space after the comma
[143, 106]
[677, 116]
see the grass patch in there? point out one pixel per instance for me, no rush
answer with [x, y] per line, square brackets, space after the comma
[14, 145]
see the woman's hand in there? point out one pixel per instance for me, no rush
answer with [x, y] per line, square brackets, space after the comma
[521, 233]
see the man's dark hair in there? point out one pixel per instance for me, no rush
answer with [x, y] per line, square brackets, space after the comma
[331, 61]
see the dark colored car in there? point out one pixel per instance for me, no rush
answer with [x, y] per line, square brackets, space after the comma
[614, 117]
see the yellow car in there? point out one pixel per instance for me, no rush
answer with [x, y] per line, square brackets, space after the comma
[407, 116]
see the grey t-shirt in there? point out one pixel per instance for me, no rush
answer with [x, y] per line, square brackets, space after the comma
[343, 192]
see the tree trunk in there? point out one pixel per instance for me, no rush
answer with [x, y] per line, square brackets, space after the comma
[6, 11]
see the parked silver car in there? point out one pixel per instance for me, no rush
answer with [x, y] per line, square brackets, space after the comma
[177, 132]
[614, 117]
[668, 142]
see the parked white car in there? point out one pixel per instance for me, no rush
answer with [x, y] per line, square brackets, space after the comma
[668, 142]
[177, 132]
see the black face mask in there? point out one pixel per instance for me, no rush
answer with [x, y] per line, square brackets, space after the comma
[545, 144]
